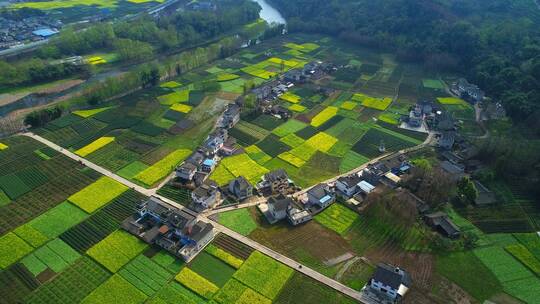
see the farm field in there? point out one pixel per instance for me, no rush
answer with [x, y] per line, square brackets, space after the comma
[143, 136]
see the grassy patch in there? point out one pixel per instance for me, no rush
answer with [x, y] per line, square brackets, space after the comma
[97, 194]
[162, 168]
[337, 217]
[352, 160]
[116, 250]
[238, 220]
[94, 146]
[292, 159]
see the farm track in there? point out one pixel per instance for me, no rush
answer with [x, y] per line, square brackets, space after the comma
[261, 248]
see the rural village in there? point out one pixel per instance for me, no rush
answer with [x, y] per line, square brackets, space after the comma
[258, 166]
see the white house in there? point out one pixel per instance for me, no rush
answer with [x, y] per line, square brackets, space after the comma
[186, 171]
[348, 185]
[390, 282]
[277, 208]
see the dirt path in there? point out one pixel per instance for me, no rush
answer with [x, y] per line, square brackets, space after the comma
[345, 267]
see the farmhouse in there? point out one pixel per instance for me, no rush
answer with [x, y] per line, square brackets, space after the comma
[230, 117]
[468, 91]
[389, 282]
[277, 208]
[186, 171]
[241, 188]
[274, 182]
[196, 158]
[373, 173]
[366, 187]
[297, 216]
[447, 139]
[321, 196]
[348, 185]
[156, 222]
[443, 224]
[215, 141]
[208, 165]
[262, 92]
[206, 195]
[294, 76]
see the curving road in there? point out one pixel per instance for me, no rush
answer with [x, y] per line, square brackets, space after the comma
[263, 249]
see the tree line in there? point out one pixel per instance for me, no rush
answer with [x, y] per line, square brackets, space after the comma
[134, 41]
[495, 43]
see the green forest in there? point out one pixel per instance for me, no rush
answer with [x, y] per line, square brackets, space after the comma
[495, 44]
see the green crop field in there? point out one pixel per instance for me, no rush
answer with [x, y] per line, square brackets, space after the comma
[212, 268]
[115, 289]
[337, 217]
[263, 274]
[97, 194]
[196, 283]
[238, 220]
[162, 168]
[145, 274]
[236, 292]
[116, 250]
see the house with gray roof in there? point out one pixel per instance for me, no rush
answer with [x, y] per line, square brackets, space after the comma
[178, 232]
[206, 195]
[274, 182]
[321, 195]
[277, 208]
[186, 171]
[443, 224]
[390, 283]
[241, 188]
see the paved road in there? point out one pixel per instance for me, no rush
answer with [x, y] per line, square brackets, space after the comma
[263, 249]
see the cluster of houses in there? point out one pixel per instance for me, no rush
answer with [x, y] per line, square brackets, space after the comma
[194, 171]
[158, 223]
[14, 31]
[269, 93]
[352, 188]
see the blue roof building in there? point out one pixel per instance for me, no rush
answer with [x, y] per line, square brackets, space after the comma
[45, 32]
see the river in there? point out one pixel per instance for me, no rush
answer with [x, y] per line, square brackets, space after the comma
[269, 13]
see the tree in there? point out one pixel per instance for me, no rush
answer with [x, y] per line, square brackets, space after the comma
[466, 191]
